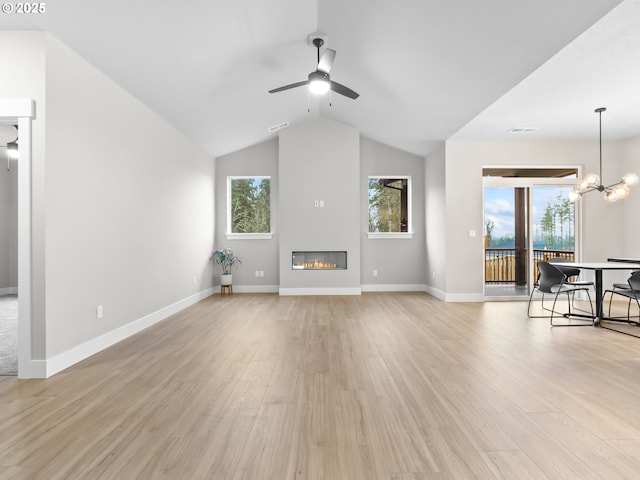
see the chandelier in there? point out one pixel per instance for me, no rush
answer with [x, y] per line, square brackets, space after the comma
[593, 182]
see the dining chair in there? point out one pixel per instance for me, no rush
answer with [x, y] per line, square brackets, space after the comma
[573, 277]
[553, 281]
[631, 291]
[572, 274]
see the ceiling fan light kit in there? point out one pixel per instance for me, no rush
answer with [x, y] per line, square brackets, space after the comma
[319, 81]
[592, 182]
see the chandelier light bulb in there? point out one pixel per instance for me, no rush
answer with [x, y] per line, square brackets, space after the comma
[621, 191]
[610, 196]
[592, 180]
[574, 195]
[630, 179]
[583, 186]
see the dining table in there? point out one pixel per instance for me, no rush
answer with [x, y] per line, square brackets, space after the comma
[598, 268]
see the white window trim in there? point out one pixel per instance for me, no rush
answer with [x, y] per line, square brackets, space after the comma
[243, 236]
[249, 236]
[390, 235]
[393, 235]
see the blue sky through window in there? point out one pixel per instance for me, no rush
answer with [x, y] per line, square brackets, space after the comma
[499, 207]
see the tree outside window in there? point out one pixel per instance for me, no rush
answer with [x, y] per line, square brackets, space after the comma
[249, 203]
[389, 204]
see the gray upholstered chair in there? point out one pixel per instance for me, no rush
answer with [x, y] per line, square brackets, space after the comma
[630, 291]
[552, 281]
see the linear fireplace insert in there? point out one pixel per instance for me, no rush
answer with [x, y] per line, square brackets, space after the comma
[319, 260]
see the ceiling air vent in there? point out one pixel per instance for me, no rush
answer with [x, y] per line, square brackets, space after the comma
[523, 130]
[280, 126]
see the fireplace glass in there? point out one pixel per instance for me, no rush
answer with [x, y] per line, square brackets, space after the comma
[319, 260]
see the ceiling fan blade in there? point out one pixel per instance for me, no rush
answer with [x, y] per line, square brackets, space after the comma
[326, 61]
[287, 87]
[342, 90]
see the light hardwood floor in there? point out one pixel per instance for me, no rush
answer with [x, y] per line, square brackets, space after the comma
[383, 386]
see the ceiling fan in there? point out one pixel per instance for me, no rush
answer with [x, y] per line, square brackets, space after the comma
[319, 81]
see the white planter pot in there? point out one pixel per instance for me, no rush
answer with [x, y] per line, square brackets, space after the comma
[226, 279]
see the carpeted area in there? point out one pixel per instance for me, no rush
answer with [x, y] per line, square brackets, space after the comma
[9, 335]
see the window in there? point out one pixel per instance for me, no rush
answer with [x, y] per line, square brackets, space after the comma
[390, 207]
[249, 207]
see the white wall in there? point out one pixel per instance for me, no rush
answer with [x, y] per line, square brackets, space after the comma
[436, 223]
[319, 160]
[129, 206]
[122, 204]
[23, 54]
[631, 238]
[255, 254]
[464, 211]
[394, 259]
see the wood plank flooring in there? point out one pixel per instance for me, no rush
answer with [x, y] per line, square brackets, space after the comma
[396, 386]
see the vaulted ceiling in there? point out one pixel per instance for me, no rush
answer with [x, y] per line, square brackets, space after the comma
[426, 70]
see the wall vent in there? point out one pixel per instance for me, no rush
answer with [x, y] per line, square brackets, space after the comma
[523, 130]
[280, 126]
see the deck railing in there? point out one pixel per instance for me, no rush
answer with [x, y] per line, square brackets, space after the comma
[500, 263]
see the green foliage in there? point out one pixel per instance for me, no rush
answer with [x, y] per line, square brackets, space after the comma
[557, 223]
[250, 205]
[489, 227]
[385, 206]
[498, 242]
[226, 259]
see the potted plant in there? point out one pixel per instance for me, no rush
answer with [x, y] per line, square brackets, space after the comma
[226, 259]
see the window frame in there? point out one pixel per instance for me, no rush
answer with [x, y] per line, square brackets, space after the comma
[393, 235]
[246, 236]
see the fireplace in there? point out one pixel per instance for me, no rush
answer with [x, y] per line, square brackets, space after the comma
[319, 260]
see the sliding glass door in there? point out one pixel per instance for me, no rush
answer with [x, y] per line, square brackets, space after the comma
[526, 220]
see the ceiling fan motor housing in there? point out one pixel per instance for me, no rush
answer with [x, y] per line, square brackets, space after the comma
[319, 76]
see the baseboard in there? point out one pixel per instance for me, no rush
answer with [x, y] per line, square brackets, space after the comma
[76, 354]
[254, 289]
[320, 291]
[439, 294]
[9, 291]
[394, 288]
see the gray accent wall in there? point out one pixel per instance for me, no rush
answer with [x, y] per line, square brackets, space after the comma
[397, 261]
[255, 254]
[320, 160]
[328, 161]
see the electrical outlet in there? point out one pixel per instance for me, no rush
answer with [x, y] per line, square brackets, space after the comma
[99, 311]
[262, 273]
[257, 273]
[316, 203]
[375, 273]
[434, 275]
[194, 280]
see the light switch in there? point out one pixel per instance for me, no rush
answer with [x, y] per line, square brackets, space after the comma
[472, 234]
